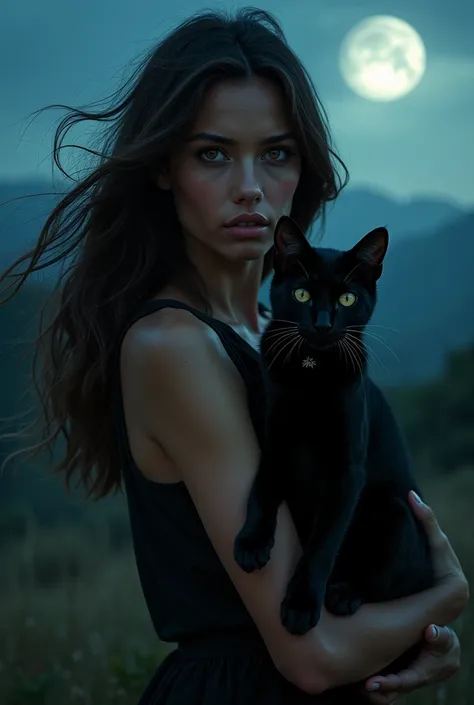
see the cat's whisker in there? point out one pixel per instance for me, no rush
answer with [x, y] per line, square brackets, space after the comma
[361, 346]
[384, 343]
[300, 343]
[273, 333]
[343, 350]
[359, 351]
[356, 353]
[353, 355]
[358, 344]
[281, 337]
[278, 354]
[287, 358]
[281, 331]
[359, 355]
[283, 320]
[285, 344]
[350, 354]
[375, 325]
[355, 340]
[379, 339]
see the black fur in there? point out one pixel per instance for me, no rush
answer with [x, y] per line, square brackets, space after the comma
[332, 449]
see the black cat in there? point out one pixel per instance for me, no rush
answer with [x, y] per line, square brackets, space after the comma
[332, 448]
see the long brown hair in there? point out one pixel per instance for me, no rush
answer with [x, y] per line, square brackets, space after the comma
[117, 235]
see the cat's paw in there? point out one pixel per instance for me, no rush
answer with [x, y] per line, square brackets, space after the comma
[300, 610]
[341, 600]
[252, 548]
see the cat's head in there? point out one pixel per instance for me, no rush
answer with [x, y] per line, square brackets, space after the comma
[329, 294]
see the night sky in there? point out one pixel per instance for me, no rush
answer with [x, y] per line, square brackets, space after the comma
[74, 53]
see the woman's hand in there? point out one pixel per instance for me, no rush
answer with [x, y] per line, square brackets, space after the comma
[445, 562]
[438, 660]
[439, 657]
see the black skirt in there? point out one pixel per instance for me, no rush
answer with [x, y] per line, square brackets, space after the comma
[229, 671]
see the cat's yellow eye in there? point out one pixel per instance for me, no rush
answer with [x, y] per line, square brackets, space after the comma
[302, 295]
[347, 299]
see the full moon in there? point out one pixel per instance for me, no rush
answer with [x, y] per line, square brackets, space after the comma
[382, 58]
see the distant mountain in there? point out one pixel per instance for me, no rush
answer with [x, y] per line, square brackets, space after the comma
[425, 293]
[356, 211]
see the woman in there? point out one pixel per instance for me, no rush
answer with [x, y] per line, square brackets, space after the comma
[153, 365]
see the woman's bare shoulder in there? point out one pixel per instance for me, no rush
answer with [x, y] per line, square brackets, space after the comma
[167, 331]
[170, 352]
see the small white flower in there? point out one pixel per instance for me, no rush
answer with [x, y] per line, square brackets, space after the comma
[309, 362]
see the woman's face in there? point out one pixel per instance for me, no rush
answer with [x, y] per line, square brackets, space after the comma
[239, 157]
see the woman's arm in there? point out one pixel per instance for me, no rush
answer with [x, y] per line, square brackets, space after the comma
[364, 643]
[193, 403]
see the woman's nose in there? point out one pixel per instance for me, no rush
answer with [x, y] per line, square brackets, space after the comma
[247, 188]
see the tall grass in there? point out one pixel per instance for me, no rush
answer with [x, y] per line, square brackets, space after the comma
[75, 628]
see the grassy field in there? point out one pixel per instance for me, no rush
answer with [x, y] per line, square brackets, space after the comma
[73, 622]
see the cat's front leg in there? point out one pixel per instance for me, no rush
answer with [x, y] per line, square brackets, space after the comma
[305, 595]
[254, 542]
[342, 599]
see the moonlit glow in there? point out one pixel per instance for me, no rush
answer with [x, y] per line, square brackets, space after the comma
[382, 58]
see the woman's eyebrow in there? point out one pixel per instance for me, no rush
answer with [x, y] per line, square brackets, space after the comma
[211, 137]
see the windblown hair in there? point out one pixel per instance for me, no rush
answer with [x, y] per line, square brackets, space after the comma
[117, 236]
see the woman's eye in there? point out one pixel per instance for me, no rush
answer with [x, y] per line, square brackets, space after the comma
[275, 153]
[347, 299]
[302, 295]
[209, 155]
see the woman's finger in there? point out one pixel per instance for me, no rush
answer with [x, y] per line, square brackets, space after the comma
[427, 517]
[446, 564]
[403, 682]
[440, 638]
[378, 698]
[386, 684]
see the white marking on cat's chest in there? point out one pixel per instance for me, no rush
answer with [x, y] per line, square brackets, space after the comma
[309, 362]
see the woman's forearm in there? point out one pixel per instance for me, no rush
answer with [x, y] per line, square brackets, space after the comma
[363, 644]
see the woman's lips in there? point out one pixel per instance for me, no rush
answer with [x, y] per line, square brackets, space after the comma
[246, 231]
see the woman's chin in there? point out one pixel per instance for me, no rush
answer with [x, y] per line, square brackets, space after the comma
[247, 251]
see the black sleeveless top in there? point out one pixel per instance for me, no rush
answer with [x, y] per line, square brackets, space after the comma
[221, 658]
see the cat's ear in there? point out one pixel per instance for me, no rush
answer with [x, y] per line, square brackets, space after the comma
[371, 249]
[290, 242]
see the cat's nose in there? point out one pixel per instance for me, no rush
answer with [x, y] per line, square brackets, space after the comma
[323, 322]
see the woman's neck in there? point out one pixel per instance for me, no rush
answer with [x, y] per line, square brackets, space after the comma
[232, 290]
